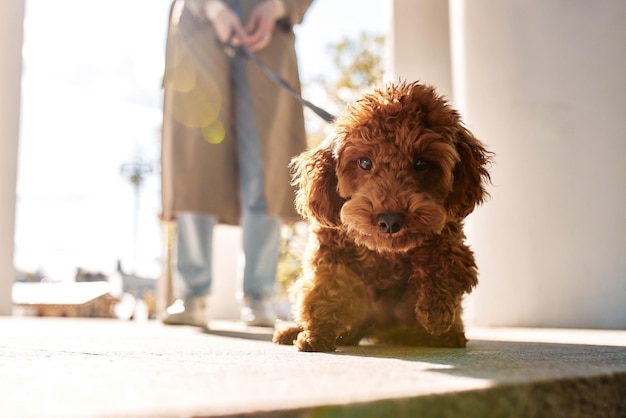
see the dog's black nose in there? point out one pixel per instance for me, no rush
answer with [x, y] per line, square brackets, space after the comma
[390, 222]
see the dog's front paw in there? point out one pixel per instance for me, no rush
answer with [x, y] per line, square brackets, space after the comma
[452, 339]
[435, 319]
[308, 341]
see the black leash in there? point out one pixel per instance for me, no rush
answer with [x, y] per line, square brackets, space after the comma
[232, 51]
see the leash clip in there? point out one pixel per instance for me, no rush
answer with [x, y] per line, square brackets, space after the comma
[230, 50]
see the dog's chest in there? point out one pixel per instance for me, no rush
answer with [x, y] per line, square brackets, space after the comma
[381, 271]
[391, 282]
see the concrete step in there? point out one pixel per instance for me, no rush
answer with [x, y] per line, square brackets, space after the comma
[110, 368]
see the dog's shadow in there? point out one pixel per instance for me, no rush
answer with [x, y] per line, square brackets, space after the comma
[504, 362]
[431, 358]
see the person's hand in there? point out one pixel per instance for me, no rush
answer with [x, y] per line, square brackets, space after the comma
[261, 25]
[227, 25]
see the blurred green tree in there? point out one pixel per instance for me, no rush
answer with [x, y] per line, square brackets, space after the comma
[360, 65]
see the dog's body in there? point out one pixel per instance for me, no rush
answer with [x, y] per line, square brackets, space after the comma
[386, 196]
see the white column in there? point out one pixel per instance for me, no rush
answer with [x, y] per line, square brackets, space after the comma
[11, 24]
[227, 272]
[419, 43]
[543, 83]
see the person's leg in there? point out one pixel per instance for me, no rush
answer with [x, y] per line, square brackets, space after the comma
[261, 233]
[194, 239]
[261, 242]
[193, 270]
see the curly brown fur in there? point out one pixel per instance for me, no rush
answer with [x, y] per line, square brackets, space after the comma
[386, 196]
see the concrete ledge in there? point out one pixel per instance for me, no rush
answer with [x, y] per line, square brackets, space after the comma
[109, 368]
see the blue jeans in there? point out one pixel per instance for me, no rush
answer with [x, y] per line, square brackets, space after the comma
[261, 233]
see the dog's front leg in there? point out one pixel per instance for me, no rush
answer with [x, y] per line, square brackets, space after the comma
[442, 288]
[331, 300]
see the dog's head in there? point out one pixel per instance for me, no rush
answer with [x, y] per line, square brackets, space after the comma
[397, 168]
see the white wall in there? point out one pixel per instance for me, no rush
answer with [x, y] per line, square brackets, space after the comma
[543, 84]
[11, 24]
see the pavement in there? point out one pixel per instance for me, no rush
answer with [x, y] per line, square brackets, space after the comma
[61, 367]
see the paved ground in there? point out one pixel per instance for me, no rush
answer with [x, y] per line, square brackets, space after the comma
[110, 368]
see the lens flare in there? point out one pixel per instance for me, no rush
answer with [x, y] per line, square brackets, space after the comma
[214, 133]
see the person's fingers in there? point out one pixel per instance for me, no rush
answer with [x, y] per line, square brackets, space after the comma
[239, 35]
[263, 41]
[228, 28]
[260, 26]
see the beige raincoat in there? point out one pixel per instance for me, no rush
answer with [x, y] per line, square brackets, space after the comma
[198, 160]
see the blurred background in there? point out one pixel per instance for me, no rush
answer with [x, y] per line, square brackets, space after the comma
[88, 181]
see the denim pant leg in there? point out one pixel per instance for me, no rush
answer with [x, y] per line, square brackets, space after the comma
[194, 235]
[261, 233]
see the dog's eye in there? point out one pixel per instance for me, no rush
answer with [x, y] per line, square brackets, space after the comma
[421, 164]
[365, 163]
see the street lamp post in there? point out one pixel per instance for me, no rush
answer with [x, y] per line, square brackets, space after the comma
[135, 172]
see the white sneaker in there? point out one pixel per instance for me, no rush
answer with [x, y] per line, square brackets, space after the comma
[192, 311]
[258, 312]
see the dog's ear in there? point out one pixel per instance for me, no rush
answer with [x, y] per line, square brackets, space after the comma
[313, 173]
[470, 175]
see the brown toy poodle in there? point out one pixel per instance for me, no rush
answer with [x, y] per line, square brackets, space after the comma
[386, 195]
